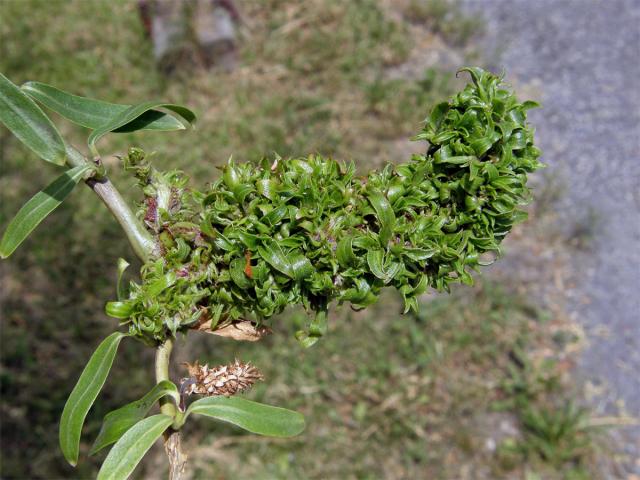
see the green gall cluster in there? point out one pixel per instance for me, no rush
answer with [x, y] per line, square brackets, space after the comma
[310, 231]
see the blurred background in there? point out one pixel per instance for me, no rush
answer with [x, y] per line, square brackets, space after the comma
[531, 373]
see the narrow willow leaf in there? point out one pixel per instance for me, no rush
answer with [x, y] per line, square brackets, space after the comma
[456, 160]
[274, 216]
[84, 394]
[272, 253]
[418, 254]
[162, 283]
[375, 259]
[118, 422]
[129, 450]
[529, 104]
[386, 217]
[121, 310]
[93, 114]
[360, 296]
[379, 266]
[344, 252]
[237, 270]
[482, 145]
[267, 188]
[476, 73]
[519, 216]
[300, 266]
[438, 113]
[29, 124]
[251, 416]
[317, 329]
[121, 288]
[133, 113]
[292, 264]
[36, 210]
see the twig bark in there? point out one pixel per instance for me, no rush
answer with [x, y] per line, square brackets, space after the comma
[177, 458]
[145, 248]
[140, 239]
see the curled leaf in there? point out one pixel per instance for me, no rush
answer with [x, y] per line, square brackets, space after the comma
[121, 289]
[385, 216]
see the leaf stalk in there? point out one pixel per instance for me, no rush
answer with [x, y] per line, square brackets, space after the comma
[163, 356]
[172, 440]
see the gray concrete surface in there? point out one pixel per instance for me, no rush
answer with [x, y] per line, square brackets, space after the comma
[583, 56]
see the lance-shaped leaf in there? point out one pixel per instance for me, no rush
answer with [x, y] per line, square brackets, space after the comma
[344, 252]
[381, 267]
[133, 113]
[127, 453]
[251, 416]
[121, 310]
[93, 114]
[84, 394]
[29, 124]
[385, 216]
[118, 422]
[237, 270]
[317, 329]
[292, 264]
[36, 210]
[121, 287]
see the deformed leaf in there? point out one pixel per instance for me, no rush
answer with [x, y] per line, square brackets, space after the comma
[237, 270]
[251, 416]
[118, 422]
[292, 264]
[317, 329]
[36, 210]
[438, 112]
[132, 446]
[162, 283]
[360, 295]
[385, 216]
[84, 394]
[120, 309]
[380, 267]
[345, 253]
[121, 288]
[29, 124]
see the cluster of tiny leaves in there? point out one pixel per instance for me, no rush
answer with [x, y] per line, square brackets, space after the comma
[310, 231]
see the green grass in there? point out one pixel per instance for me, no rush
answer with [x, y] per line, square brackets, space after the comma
[385, 395]
[556, 434]
[400, 396]
[446, 18]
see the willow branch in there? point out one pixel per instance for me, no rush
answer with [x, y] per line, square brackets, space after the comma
[177, 458]
[145, 248]
[140, 239]
[172, 440]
